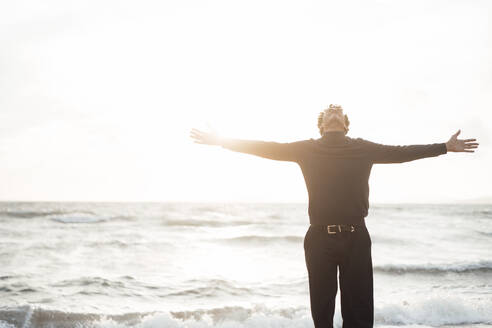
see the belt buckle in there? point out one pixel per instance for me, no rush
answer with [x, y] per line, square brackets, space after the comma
[328, 228]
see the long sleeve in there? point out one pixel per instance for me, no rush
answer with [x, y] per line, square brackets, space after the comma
[288, 151]
[379, 153]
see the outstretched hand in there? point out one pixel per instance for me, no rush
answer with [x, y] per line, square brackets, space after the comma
[207, 138]
[461, 145]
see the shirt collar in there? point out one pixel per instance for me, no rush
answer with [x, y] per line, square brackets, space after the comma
[333, 135]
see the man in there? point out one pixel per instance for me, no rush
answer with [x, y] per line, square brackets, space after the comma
[336, 170]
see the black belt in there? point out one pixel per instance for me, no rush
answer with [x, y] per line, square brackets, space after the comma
[335, 228]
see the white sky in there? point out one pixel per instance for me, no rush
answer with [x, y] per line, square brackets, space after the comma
[98, 97]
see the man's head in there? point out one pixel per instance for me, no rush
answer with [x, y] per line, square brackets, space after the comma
[333, 119]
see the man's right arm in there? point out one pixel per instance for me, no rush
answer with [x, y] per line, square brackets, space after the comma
[280, 151]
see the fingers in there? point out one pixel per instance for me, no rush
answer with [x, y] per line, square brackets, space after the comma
[196, 131]
[193, 133]
[457, 133]
[200, 131]
[466, 145]
[470, 145]
[196, 136]
[199, 137]
[201, 134]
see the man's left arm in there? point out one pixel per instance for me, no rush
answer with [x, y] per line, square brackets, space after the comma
[380, 153]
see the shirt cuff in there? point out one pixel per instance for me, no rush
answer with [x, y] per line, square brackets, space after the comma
[444, 148]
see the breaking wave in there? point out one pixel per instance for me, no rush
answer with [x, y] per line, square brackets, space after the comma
[474, 267]
[429, 312]
[263, 239]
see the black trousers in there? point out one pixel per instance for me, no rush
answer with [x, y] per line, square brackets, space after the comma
[351, 253]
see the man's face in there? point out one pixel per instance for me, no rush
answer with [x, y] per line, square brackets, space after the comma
[333, 117]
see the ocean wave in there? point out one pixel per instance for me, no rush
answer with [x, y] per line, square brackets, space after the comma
[228, 316]
[214, 290]
[37, 214]
[89, 281]
[19, 288]
[206, 288]
[126, 244]
[428, 312]
[390, 240]
[263, 239]
[485, 212]
[199, 223]
[478, 267]
[436, 311]
[94, 285]
[64, 216]
[78, 217]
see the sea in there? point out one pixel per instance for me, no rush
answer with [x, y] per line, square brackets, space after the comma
[227, 265]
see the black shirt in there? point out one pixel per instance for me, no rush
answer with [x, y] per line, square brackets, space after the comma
[336, 169]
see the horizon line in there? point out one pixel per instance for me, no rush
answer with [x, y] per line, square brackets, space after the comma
[479, 200]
